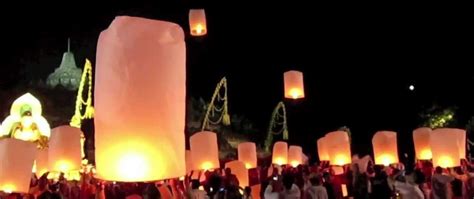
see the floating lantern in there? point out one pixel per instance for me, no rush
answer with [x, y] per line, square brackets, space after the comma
[280, 153]
[197, 22]
[322, 150]
[41, 163]
[64, 152]
[339, 148]
[247, 152]
[461, 140]
[17, 158]
[238, 169]
[295, 156]
[445, 148]
[385, 148]
[140, 89]
[294, 86]
[204, 150]
[421, 139]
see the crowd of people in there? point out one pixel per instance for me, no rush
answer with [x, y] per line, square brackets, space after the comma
[321, 181]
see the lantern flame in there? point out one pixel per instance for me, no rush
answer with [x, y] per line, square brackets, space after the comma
[341, 160]
[445, 162]
[248, 166]
[296, 93]
[280, 161]
[199, 29]
[295, 163]
[207, 166]
[426, 154]
[132, 166]
[386, 159]
[8, 188]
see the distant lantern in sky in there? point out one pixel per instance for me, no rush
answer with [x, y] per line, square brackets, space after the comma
[385, 148]
[322, 150]
[204, 150]
[421, 139]
[295, 155]
[197, 22]
[247, 152]
[238, 169]
[64, 152]
[445, 147]
[294, 85]
[339, 148]
[139, 94]
[17, 159]
[280, 153]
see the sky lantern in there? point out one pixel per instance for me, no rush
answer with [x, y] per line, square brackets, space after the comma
[295, 155]
[294, 86]
[445, 148]
[197, 22]
[139, 99]
[64, 152]
[322, 150]
[204, 150]
[421, 139]
[247, 152]
[238, 169]
[41, 163]
[385, 148]
[461, 140]
[339, 148]
[17, 158]
[280, 153]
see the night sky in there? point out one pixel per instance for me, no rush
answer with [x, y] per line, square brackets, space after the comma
[358, 60]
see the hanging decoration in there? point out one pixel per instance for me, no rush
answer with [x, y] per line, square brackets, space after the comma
[277, 125]
[216, 114]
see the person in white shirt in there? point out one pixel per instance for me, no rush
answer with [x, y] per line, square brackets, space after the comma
[273, 190]
[291, 190]
[195, 193]
[316, 190]
[440, 184]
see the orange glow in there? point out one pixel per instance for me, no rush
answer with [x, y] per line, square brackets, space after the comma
[385, 147]
[294, 86]
[8, 188]
[248, 165]
[280, 153]
[197, 22]
[247, 152]
[421, 140]
[338, 147]
[341, 159]
[204, 150]
[295, 163]
[64, 152]
[445, 162]
[445, 148]
[280, 161]
[63, 165]
[207, 166]
[139, 99]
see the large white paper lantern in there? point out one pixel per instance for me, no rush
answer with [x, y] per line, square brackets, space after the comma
[280, 153]
[339, 148]
[204, 150]
[421, 140]
[294, 85]
[445, 147]
[16, 161]
[295, 155]
[64, 152]
[385, 147]
[140, 90]
[247, 152]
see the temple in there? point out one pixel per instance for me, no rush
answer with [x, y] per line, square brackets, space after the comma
[68, 75]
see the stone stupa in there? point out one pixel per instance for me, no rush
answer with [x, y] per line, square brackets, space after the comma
[68, 75]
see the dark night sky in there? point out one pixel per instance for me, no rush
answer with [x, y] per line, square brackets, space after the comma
[358, 60]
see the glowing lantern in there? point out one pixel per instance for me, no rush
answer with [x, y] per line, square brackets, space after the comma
[461, 140]
[247, 152]
[41, 163]
[197, 22]
[189, 161]
[445, 148]
[421, 139]
[385, 147]
[294, 86]
[238, 169]
[280, 153]
[339, 148]
[64, 152]
[322, 150]
[17, 159]
[140, 88]
[204, 150]
[295, 155]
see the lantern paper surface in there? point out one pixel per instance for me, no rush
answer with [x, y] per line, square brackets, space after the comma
[445, 148]
[385, 148]
[17, 158]
[204, 150]
[461, 139]
[339, 148]
[189, 161]
[294, 85]
[64, 152]
[238, 169]
[256, 191]
[41, 162]
[322, 150]
[197, 22]
[280, 153]
[140, 101]
[421, 139]
[247, 152]
[295, 155]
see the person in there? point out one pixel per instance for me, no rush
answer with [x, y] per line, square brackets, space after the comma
[380, 188]
[247, 193]
[439, 183]
[316, 190]
[272, 191]
[291, 190]
[359, 183]
[327, 183]
[195, 193]
[230, 179]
